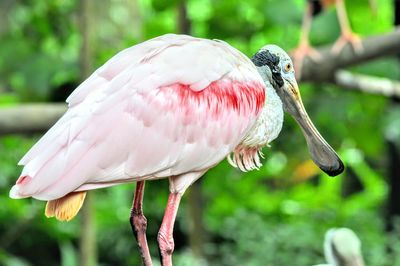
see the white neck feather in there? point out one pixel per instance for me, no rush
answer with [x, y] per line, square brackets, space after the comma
[269, 123]
[265, 129]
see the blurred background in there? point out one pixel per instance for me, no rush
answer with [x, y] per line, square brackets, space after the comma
[275, 216]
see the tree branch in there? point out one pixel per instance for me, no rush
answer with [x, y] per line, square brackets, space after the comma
[29, 118]
[373, 47]
[368, 84]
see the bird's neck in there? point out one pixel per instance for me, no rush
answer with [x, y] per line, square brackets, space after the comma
[265, 129]
[269, 123]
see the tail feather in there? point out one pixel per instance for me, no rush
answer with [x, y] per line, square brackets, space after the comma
[67, 207]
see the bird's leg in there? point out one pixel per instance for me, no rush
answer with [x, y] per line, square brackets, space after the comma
[165, 235]
[139, 224]
[347, 35]
[304, 49]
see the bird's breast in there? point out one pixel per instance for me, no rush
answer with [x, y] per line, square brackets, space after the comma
[266, 128]
[268, 124]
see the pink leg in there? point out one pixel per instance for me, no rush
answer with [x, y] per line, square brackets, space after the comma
[347, 35]
[139, 224]
[304, 49]
[165, 235]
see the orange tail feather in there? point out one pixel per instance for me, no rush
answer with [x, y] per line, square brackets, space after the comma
[65, 208]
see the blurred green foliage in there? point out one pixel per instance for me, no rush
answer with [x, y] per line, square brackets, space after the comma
[274, 216]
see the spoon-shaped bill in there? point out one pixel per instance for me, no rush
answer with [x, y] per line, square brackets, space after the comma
[321, 152]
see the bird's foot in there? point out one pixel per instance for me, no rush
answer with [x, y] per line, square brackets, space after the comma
[300, 53]
[347, 37]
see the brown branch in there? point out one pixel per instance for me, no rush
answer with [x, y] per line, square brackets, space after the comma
[29, 118]
[373, 47]
[368, 84]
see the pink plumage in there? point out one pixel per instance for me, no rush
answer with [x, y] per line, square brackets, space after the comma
[172, 106]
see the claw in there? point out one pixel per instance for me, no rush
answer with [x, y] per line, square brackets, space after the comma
[348, 37]
[300, 53]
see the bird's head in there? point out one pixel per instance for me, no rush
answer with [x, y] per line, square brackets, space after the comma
[342, 247]
[276, 68]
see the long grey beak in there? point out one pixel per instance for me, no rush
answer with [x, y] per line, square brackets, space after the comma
[321, 152]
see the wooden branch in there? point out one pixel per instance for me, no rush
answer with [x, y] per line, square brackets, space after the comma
[373, 47]
[368, 84]
[29, 118]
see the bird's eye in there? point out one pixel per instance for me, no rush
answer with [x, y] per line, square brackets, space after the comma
[288, 67]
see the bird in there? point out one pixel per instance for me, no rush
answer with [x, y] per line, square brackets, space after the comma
[313, 8]
[171, 107]
[342, 247]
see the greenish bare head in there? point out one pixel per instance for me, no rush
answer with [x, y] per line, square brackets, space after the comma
[276, 68]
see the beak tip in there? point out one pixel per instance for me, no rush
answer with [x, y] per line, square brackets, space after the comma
[335, 169]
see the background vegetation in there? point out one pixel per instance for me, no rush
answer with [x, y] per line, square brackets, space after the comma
[275, 216]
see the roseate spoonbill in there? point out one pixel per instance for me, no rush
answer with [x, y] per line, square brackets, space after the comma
[342, 247]
[171, 107]
[313, 8]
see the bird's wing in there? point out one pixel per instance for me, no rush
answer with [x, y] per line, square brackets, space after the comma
[169, 106]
